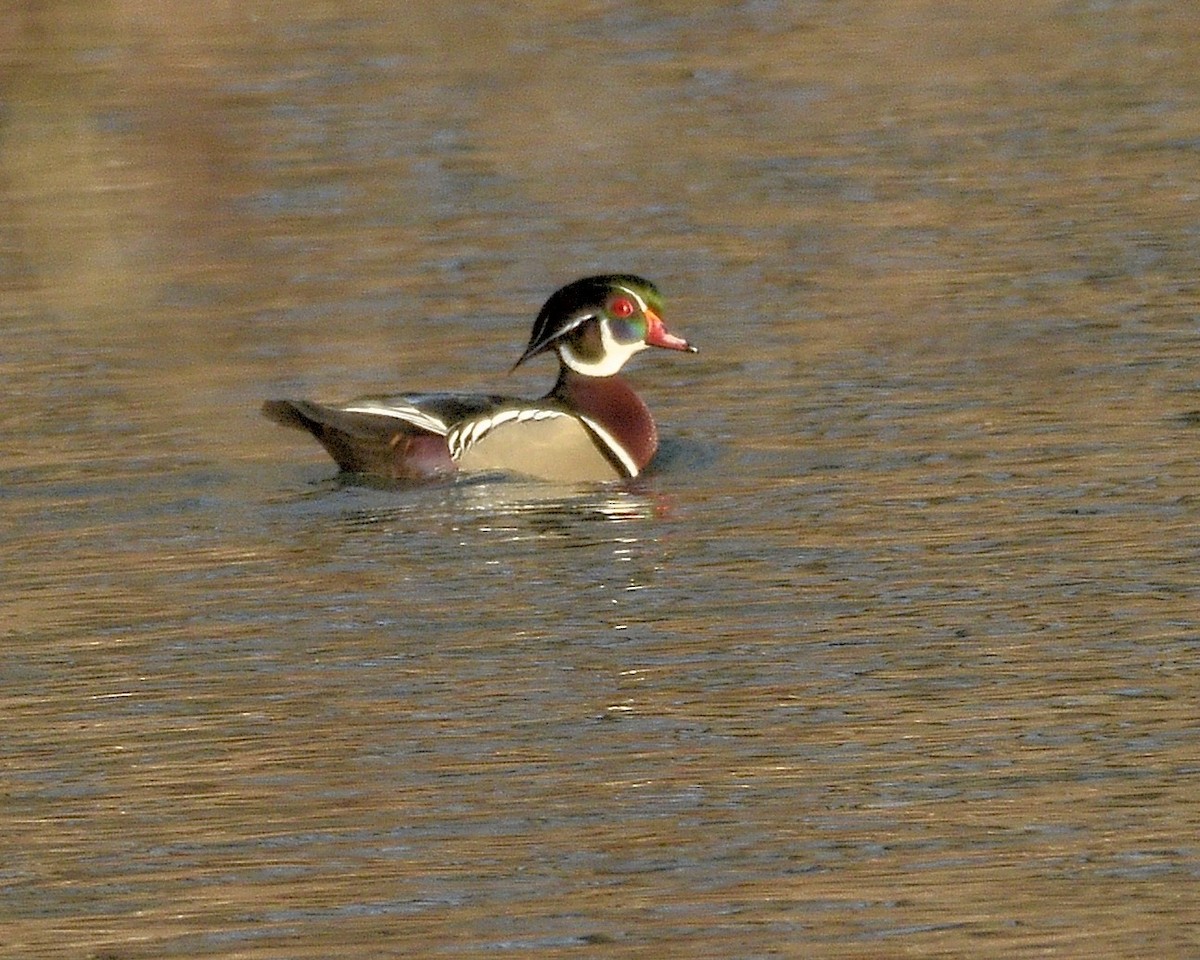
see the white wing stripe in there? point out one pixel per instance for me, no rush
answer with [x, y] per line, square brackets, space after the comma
[413, 415]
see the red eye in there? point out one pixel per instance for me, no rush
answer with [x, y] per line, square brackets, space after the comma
[622, 307]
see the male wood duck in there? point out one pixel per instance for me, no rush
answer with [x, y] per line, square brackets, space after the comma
[590, 427]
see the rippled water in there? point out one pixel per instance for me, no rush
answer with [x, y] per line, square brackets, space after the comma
[895, 654]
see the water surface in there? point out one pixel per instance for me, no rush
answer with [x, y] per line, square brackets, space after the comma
[895, 654]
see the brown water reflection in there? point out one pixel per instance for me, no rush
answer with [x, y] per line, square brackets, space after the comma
[895, 655]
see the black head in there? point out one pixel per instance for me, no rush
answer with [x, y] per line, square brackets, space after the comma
[624, 311]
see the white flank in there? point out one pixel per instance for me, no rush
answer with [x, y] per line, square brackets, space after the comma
[466, 435]
[462, 437]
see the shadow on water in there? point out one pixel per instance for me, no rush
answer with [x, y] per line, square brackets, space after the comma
[540, 507]
[543, 506]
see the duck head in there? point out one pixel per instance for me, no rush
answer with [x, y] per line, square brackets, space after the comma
[597, 323]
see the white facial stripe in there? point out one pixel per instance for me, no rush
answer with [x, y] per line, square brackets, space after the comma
[641, 302]
[578, 322]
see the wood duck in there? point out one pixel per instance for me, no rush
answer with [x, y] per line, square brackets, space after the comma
[590, 427]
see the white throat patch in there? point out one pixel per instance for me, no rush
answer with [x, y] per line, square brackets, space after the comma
[612, 358]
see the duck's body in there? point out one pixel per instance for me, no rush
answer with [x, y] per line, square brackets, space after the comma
[590, 427]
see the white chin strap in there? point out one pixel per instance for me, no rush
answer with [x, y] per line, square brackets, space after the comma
[612, 358]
